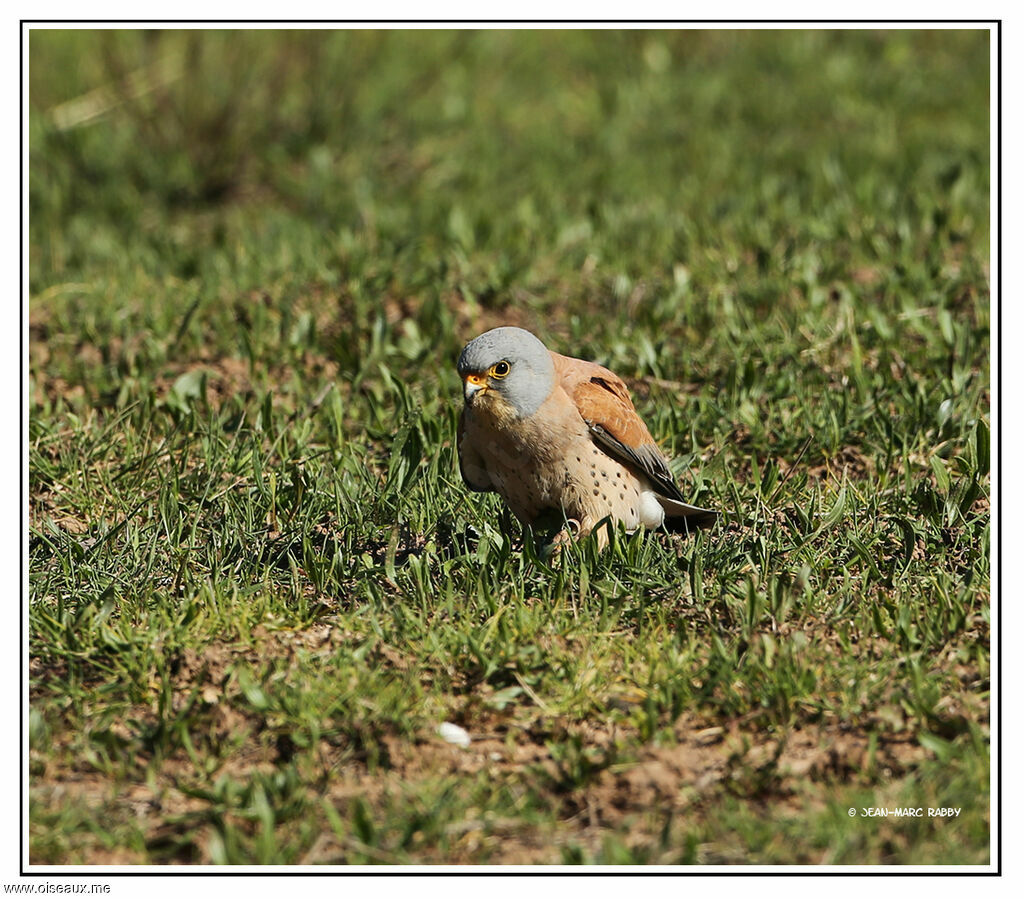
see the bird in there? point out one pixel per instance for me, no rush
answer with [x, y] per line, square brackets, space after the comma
[560, 441]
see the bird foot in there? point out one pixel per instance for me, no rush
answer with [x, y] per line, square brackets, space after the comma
[570, 532]
[553, 547]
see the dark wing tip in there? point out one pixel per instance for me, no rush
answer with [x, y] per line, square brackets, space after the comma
[647, 458]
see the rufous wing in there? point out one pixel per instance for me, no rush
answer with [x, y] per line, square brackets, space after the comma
[604, 403]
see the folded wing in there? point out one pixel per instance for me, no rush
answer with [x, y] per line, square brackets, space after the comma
[604, 403]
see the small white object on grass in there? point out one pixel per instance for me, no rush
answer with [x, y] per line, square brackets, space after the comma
[452, 733]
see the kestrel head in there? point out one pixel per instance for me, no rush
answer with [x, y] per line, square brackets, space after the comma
[507, 367]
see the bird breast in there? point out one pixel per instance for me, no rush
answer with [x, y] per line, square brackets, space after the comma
[549, 462]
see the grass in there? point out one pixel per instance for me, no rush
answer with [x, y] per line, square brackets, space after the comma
[258, 584]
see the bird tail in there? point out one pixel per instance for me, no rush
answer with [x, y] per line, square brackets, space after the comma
[692, 516]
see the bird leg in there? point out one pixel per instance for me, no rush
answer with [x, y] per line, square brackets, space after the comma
[550, 541]
[575, 529]
[570, 531]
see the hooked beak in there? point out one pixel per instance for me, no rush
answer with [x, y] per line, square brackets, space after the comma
[471, 384]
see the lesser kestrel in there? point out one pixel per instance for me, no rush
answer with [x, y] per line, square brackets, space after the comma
[559, 439]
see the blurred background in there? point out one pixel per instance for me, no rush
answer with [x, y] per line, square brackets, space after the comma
[440, 180]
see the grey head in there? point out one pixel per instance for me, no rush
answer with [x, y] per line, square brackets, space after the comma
[510, 362]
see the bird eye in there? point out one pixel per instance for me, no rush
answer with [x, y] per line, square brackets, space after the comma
[500, 370]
